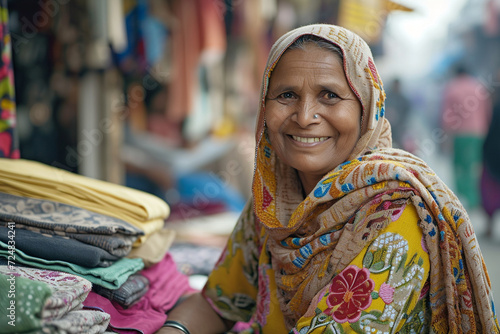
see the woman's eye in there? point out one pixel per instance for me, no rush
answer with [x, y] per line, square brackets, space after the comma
[286, 95]
[330, 95]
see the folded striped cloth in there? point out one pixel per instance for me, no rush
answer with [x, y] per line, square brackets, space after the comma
[129, 293]
[52, 218]
[36, 180]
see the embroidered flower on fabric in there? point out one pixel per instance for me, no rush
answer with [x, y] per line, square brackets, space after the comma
[350, 293]
[466, 298]
[386, 292]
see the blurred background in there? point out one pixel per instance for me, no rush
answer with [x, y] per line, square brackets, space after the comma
[161, 95]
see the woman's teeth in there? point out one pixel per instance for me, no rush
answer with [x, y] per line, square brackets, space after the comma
[309, 139]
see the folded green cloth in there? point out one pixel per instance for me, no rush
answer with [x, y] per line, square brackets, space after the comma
[21, 304]
[111, 277]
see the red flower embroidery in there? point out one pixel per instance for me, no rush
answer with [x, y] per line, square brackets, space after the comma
[467, 298]
[350, 292]
[267, 198]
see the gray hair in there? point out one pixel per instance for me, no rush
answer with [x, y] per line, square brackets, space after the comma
[302, 41]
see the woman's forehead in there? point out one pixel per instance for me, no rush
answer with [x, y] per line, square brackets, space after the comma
[311, 57]
[313, 67]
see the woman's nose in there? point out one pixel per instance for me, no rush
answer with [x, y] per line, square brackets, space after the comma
[306, 114]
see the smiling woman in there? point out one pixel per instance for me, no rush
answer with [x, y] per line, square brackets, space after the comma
[313, 117]
[343, 233]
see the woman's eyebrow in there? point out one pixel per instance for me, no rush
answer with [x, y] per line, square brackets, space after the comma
[282, 88]
[331, 86]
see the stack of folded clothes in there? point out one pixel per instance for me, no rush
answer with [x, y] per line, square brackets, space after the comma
[47, 301]
[36, 180]
[106, 242]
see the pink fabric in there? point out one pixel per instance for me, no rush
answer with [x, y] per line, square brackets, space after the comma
[167, 285]
[466, 106]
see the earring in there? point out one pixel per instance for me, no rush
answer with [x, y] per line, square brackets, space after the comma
[315, 116]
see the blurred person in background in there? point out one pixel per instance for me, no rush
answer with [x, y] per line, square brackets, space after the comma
[465, 116]
[490, 178]
[397, 110]
[343, 233]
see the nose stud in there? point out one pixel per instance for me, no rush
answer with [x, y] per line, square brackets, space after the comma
[315, 116]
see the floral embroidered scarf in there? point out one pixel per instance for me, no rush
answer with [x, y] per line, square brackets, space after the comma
[314, 239]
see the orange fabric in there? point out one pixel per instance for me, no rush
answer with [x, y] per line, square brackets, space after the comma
[198, 27]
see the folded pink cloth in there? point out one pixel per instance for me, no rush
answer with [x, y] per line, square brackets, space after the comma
[146, 316]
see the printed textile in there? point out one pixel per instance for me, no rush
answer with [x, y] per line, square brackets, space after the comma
[61, 309]
[109, 233]
[21, 306]
[313, 243]
[384, 284]
[67, 291]
[76, 322]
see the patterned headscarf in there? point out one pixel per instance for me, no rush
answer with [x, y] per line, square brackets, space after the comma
[313, 239]
[360, 72]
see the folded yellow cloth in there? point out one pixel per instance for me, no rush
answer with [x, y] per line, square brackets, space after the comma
[33, 179]
[155, 249]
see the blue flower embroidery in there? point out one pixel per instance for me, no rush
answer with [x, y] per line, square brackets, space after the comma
[322, 190]
[347, 187]
[325, 239]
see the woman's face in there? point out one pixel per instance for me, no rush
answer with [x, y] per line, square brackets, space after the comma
[305, 83]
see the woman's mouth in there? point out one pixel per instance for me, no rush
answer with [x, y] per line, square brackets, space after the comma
[309, 139]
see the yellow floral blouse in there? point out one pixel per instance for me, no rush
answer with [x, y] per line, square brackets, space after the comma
[383, 290]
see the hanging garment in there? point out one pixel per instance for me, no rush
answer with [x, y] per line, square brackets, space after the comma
[9, 146]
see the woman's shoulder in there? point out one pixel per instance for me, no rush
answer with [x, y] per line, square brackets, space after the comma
[392, 154]
[394, 157]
